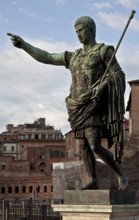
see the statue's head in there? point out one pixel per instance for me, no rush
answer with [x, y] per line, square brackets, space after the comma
[86, 21]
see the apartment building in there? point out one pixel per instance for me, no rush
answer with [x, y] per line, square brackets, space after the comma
[26, 160]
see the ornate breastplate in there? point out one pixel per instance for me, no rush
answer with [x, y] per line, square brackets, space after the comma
[86, 69]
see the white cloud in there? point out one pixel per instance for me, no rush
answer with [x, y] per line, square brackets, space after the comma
[3, 19]
[29, 89]
[135, 24]
[29, 13]
[102, 5]
[117, 20]
[15, 2]
[128, 58]
[59, 2]
[36, 16]
[111, 19]
[129, 3]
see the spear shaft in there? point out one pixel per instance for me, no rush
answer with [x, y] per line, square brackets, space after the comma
[119, 42]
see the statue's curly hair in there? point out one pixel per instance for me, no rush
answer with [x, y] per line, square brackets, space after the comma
[87, 22]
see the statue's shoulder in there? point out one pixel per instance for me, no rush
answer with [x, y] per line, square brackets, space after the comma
[105, 50]
[100, 47]
[77, 51]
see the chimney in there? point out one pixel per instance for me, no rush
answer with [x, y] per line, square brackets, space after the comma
[9, 128]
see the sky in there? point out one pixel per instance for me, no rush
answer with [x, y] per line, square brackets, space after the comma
[29, 89]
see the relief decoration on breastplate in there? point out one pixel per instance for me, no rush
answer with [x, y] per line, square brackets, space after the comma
[86, 69]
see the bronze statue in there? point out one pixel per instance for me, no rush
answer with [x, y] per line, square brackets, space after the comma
[95, 104]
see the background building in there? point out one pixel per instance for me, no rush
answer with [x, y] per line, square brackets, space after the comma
[133, 109]
[9, 144]
[26, 160]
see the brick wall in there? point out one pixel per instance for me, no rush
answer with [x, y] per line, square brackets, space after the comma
[76, 177]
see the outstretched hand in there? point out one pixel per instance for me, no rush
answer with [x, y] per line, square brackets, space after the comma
[16, 40]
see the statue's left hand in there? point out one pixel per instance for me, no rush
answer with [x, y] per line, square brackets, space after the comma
[99, 90]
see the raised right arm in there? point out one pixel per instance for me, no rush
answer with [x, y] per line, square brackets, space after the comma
[38, 54]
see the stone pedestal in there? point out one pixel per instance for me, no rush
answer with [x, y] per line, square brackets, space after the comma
[99, 205]
[100, 197]
[98, 212]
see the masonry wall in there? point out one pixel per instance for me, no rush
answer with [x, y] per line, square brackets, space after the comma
[76, 177]
[134, 111]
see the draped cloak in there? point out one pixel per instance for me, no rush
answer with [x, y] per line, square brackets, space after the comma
[86, 110]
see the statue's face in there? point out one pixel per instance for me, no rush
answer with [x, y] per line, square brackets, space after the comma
[84, 33]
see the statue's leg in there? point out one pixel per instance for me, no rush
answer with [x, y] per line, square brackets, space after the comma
[90, 164]
[107, 157]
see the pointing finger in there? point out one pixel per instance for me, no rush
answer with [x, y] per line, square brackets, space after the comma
[11, 35]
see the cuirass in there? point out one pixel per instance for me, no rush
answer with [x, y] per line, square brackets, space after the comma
[86, 68]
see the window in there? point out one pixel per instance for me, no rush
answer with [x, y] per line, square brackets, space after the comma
[2, 189]
[16, 189]
[30, 189]
[45, 188]
[32, 167]
[57, 137]
[50, 137]
[36, 136]
[51, 188]
[12, 148]
[29, 136]
[42, 167]
[3, 167]
[56, 154]
[9, 189]
[23, 189]
[38, 189]
[4, 148]
[43, 136]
